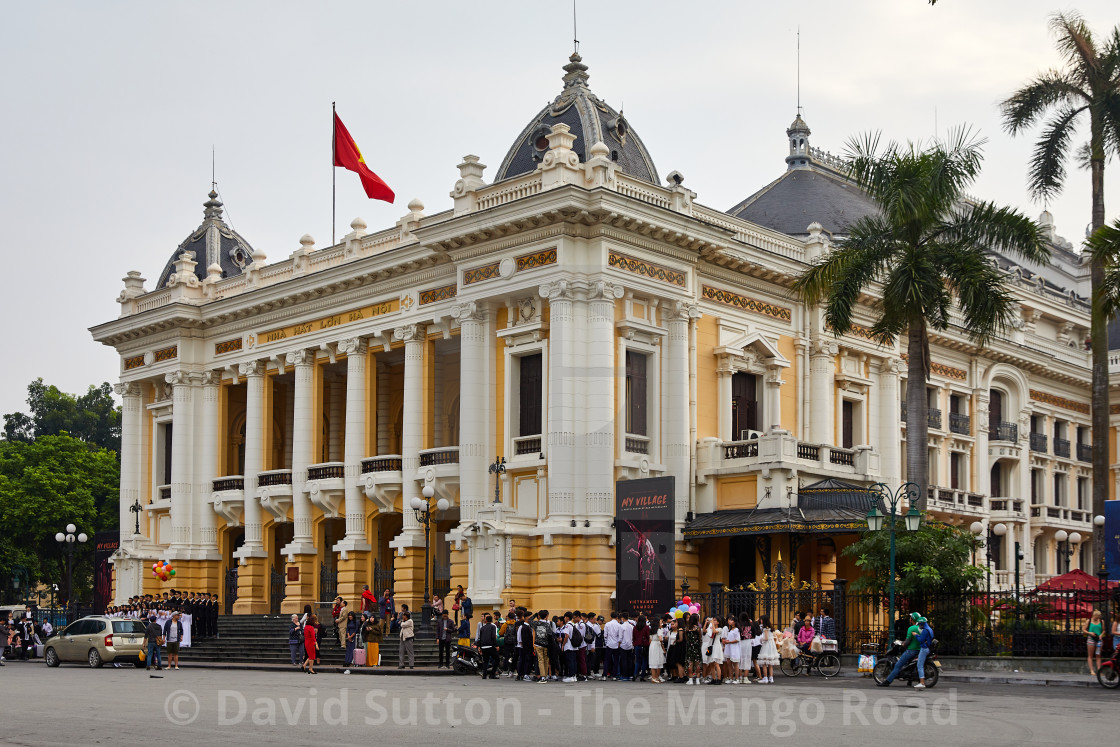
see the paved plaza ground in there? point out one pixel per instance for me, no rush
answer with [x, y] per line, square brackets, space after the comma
[77, 705]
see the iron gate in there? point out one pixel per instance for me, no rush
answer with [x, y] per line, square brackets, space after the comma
[278, 590]
[382, 578]
[441, 579]
[328, 584]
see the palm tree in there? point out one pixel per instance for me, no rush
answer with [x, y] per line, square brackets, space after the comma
[1088, 85]
[925, 249]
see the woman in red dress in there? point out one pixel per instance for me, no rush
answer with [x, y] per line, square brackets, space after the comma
[310, 630]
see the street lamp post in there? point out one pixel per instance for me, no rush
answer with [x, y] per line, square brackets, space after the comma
[68, 540]
[1000, 530]
[1102, 576]
[908, 491]
[497, 469]
[1066, 542]
[977, 528]
[137, 509]
[423, 510]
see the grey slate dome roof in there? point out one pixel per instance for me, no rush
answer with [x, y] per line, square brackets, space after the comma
[591, 120]
[213, 242]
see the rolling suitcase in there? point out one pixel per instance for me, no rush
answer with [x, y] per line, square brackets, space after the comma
[359, 657]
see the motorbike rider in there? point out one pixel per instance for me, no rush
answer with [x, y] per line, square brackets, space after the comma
[913, 648]
[925, 640]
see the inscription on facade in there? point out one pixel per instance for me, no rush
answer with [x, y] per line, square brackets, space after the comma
[335, 320]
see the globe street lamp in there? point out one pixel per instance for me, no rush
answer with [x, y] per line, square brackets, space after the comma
[908, 491]
[68, 540]
[1102, 575]
[423, 510]
[1066, 542]
[1000, 530]
[977, 528]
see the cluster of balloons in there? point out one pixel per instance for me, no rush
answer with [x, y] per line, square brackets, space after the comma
[163, 570]
[685, 607]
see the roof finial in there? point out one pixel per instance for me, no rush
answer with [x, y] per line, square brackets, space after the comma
[213, 177]
[575, 29]
[799, 70]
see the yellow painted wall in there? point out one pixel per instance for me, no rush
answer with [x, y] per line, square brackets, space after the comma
[791, 377]
[737, 492]
[715, 560]
[707, 380]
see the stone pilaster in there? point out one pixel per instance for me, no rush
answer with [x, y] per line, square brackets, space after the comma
[599, 418]
[182, 453]
[356, 351]
[563, 368]
[675, 418]
[473, 401]
[207, 440]
[822, 385]
[132, 408]
[412, 426]
[889, 408]
[302, 438]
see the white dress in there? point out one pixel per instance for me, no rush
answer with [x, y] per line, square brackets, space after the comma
[656, 653]
[731, 650]
[768, 653]
[716, 657]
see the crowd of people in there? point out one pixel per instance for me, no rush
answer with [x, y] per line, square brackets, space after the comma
[20, 634]
[202, 607]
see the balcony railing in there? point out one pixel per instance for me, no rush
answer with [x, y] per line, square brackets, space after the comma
[1061, 447]
[527, 445]
[846, 457]
[392, 463]
[809, 451]
[637, 445]
[1004, 432]
[740, 450]
[1006, 505]
[1085, 452]
[165, 492]
[961, 424]
[933, 418]
[955, 497]
[274, 477]
[1038, 442]
[445, 455]
[326, 471]
[233, 482]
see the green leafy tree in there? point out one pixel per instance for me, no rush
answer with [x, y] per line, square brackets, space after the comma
[925, 252]
[92, 417]
[44, 485]
[937, 558]
[1087, 87]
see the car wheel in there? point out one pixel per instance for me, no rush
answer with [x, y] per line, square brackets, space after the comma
[95, 658]
[50, 656]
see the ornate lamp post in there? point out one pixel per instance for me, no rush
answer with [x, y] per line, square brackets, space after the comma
[1065, 546]
[136, 509]
[977, 529]
[1102, 577]
[908, 491]
[1000, 530]
[423, 511]
[68, 541]
[497, 469]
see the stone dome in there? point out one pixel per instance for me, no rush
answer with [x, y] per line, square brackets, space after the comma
[591, 120]
[212, 243]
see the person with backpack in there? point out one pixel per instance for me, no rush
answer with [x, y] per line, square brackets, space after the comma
[925, 640]
[523, 634]
[568, 647]
[487, 642]
[594, 644]
[542, 633]
[579, 643]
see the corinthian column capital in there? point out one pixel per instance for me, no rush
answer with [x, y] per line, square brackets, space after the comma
[301, 357]
[251, 368]
[409, 333]
[127, 389]
[352, 346]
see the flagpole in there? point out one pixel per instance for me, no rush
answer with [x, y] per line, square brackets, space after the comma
[333, 170]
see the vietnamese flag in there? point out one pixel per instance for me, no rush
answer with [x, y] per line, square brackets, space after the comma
[347, 155]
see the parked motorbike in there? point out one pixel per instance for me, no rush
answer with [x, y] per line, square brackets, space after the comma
[466, 660]
[886, 662]
[1109, 673]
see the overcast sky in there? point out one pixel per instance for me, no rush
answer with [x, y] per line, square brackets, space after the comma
[110, 110]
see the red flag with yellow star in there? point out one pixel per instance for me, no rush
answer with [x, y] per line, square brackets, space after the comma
[347, 155]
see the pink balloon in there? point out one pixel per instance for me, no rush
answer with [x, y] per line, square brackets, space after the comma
[694, 609]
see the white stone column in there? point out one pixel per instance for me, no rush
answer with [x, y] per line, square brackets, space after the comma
[983, 465]
[599, 385]
[889, 438]
[675, 415]
[561, 401]
[822, 384]
[182, 473]
[132, 408]
[303, 430]
[474, 403]
[772, 410]
[208, 439]
[253, 371]
[412, 425]
[724, 374]
[355, 350]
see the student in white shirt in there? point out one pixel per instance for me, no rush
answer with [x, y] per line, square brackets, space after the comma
[626, 647]
[569, 651]
[611, 638]
[593, 652]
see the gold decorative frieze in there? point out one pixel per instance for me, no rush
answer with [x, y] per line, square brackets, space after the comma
[536, 259]
[858, 330]
[645, 269]
[746, 304]
[336, 320]
[135, 361]
[1114, 409]
[1053, 399]
[478, 274]
[948, 371]
[228, 346]
[166, 354]
[432, 295]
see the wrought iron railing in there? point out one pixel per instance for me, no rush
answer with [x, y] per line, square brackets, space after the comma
[933, 418]
[433, 457]
[165, 492]
[809, 451]
[1004, 432]
[1061, 447]
[1085, 452]
[381, 464]
[229, 483]
[526, 445]
[1038, 442]
[960, 424]
[274, 477]
[842, 456]
[326, 471]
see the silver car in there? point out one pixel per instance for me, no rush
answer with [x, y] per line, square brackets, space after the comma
[96, 640]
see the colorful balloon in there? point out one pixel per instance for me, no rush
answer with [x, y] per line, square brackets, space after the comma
[172, 571]
[687, 600]
[694, 609]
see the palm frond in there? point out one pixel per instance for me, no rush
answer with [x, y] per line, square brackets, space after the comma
[984, 301]
[1074, 41]
[1003, 229]
[1047, 170]
[1104, 247]
[1027, 105]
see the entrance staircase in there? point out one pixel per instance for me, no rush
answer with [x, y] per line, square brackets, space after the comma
[263, 639]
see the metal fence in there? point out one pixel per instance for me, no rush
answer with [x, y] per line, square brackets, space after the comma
[1044, 624]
